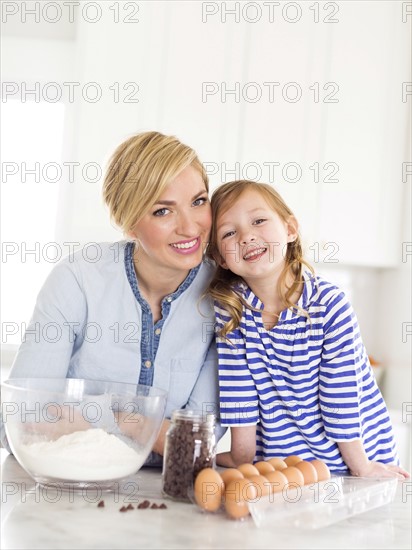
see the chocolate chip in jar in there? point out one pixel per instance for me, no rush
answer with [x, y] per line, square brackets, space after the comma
[190, 447]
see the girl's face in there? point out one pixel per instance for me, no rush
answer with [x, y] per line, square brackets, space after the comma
[173, 233]
[252, 238]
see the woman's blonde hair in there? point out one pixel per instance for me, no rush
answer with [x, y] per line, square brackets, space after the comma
[223, 287]
[138, 172]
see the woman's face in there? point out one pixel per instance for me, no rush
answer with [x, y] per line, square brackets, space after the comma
[174, 233]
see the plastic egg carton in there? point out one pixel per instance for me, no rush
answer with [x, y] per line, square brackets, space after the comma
[322, 504]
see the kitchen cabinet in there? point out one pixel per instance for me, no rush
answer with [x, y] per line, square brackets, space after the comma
[282, 130]
[337, 126]
[311, 104]
[200, 56]
[366, 133]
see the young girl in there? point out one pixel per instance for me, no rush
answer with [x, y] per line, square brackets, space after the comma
[293, 372]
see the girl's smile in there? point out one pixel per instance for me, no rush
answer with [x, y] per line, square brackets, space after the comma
[255, 254]
[252, 238]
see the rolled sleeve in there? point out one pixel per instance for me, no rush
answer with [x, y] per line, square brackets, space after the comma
[341, 372]
[239, 403]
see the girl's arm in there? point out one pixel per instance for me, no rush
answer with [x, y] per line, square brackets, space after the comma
[359, 465]
[242, 447]
[238, 396]
[346, 380]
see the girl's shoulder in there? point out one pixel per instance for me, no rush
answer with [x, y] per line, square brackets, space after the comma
[222, 314]
[321, 291]
[241, 288]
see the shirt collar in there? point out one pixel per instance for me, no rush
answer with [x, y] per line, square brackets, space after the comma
[309, 292]
[131, 276]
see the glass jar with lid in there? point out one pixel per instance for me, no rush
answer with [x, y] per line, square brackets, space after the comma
[190, 446]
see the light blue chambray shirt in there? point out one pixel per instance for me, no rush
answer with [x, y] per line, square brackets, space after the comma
[90, 321]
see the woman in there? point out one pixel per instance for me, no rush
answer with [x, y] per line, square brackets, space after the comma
[131, 313]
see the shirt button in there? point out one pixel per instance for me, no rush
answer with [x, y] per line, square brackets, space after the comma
[158, 331]
[148, 364]
[169, 298]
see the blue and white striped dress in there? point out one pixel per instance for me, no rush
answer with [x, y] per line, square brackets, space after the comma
[306, 383]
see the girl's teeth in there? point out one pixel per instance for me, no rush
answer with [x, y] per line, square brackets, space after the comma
[254, 253]
[185, 245]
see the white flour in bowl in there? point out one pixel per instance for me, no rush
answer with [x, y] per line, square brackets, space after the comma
[89, 455]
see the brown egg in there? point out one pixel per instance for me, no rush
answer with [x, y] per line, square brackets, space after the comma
[277, 463]
[237, 494]
[248, 470]
[208, 489]
[310, 474]
[229, 474]
[236, 510]
[277, 481]
[264, 467]
[292, 460]
[322, 470]
[262, 485]
[295, 476]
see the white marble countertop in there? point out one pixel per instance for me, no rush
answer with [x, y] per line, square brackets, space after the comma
[36, 517]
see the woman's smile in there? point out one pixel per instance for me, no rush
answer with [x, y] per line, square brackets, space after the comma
[187, 246]
[170, 236]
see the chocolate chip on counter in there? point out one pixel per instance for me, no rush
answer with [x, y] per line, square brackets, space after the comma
[154, 505]
[163, 506]
[123, 509]
[130, 507]
[144, 504]
[101, 504]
